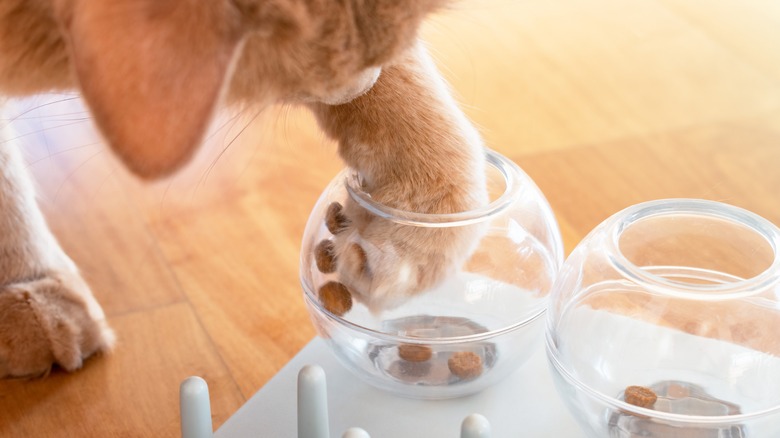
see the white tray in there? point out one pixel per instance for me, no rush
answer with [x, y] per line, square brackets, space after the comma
[524, 405]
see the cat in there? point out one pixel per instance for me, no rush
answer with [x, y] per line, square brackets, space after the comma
[153, 72]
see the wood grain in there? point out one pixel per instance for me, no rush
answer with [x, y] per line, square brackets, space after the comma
[130, 393]
[604, 103]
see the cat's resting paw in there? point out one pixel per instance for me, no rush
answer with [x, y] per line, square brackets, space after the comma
[49, 320]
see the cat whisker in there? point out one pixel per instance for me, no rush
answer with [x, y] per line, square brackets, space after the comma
[43, 105]
[226, 126]
[73, 172]
[39, 131]
[254, 150]
[222, 152]
[231, 119]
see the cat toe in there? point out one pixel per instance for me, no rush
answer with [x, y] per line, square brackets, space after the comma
[335, 219]
[355, 256]
[46, 322]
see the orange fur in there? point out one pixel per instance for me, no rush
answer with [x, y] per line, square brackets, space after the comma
[153, 72]
[415, 151]
[140, 62]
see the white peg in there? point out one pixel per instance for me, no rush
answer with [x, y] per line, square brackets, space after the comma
[355, 432]
[312, 403]
[475, 426]
[195, 408]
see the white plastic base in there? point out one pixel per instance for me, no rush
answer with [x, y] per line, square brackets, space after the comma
[525, 404]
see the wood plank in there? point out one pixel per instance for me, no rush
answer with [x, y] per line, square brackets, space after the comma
[605, 103]
[749, 29]
[131, 392]
[87, 206]
[238, 266]
[733, 162]
[550, 75]
[231, 225]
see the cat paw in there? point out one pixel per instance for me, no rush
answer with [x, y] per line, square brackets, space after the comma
[47, 321]
[383, 262]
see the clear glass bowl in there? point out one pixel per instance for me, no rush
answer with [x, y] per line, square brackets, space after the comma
[469, 330]
[665, 322]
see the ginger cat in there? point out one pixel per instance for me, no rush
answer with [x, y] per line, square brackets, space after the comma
[153, 73]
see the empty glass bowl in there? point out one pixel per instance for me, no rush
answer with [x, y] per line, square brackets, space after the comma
[665, 322]
[467, 331]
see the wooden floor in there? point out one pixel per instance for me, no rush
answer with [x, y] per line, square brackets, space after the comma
[605, 103]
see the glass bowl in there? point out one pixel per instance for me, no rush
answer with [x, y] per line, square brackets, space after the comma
[469, 329]
[665, 322]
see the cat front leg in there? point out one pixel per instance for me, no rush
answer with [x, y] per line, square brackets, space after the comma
[48, 314]
[415, 151]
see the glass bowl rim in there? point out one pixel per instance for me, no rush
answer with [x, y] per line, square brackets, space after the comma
[620, 405]
[515, 179]
[534, 315]
[702, 208]
[516, 183]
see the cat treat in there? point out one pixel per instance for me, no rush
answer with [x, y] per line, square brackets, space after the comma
[414, 353]
[325, 257]
[335, 297]
[335, 219]
[640, 396]
[465, 364]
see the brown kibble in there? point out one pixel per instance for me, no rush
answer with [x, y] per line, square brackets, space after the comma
[414, 352]
[640, 396]
[335, 219]
[325, 256]
[335, 297]
[465, 364]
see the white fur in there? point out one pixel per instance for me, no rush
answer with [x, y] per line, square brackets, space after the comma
[362, 83]
[40, 279]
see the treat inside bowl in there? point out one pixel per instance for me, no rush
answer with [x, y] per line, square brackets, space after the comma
[665, 320]
[464, 331]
